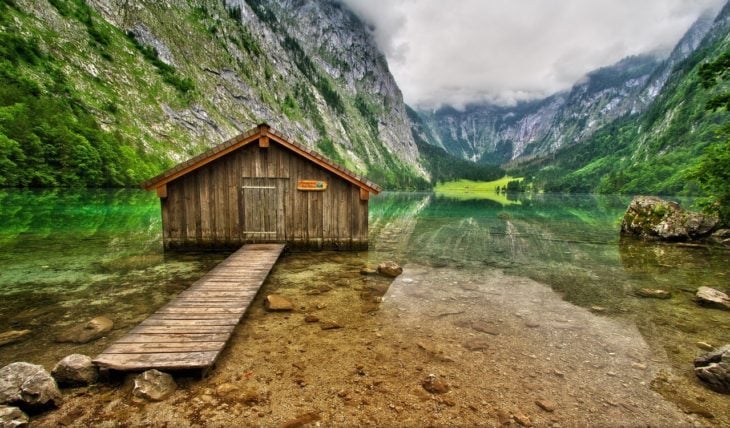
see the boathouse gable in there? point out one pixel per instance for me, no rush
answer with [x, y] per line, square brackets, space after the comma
[261, 187]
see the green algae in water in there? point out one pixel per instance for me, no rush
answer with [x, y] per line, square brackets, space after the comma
[67, 256]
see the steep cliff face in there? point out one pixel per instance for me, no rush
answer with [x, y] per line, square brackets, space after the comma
[167, 79]
[495, 134]
[650, 152]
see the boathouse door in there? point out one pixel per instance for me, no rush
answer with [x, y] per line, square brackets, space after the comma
[262, 209]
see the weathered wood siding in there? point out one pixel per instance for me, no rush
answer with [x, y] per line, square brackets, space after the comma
[250, 196]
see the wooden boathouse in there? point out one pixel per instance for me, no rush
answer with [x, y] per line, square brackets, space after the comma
[260, 187]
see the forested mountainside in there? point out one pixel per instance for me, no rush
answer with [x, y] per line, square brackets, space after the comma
[496, 134]
[111, 92]
[660, 151]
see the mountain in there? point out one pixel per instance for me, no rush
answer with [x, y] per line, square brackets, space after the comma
[111, 92]
[654, 151]
[497, 134]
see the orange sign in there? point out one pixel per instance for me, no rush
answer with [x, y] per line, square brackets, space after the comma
[311, 185]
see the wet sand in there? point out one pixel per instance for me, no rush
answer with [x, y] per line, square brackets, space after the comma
[499, 343]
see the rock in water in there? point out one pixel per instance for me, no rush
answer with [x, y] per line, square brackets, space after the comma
[368, 270]
[389, 268]
[92, 330]
[712, 298]
[713, 368]
[12, 336]
[653, 218]
[154, 385]
[276, 303]
[653, 293]
[434, 385]
[11, 417]
[75, 369]
[28, 386]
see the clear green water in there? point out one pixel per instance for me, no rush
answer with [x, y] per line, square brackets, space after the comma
[68, 256]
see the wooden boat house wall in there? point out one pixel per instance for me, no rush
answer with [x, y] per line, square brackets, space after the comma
[262, 187]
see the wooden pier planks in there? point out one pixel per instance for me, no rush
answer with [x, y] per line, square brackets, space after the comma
[190, 332]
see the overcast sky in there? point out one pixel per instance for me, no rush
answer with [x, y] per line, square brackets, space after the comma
[462, 51]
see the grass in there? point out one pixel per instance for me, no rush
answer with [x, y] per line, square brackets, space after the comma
[466, 189]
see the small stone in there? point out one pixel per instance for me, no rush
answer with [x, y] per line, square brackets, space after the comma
[598, 309]
[558, 373]
[330, 325]
[638, 366]
[92, 330]
[75, 369]
[712, 298]
[368, 270]
[390, 269]
[503, 417]
[28, 386]
[301, 420]
[653, 293]
[225, 389]
[476, 345]
[532, 324]
[12, 417]
[434, 385]
[311, 318]
[484, 327]
[154, 385]
[522, 419]
[12, 336]
[276, 303]
[705, 346]
[546, 405]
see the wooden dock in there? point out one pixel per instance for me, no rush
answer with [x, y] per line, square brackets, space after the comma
[190, 332]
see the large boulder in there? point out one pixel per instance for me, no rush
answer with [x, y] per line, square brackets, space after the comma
[75, 369]
[707, 296]
[154, 385]
[652, 218]
[28, 386]
[92, 330]
[12, 417]
[713, 368]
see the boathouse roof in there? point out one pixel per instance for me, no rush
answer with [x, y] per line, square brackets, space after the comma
[264, 133]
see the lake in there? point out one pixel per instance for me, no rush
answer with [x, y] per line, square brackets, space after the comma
[508, 301]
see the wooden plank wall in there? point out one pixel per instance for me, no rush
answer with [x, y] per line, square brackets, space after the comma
[204, 208]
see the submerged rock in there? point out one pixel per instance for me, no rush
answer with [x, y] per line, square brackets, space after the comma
[28, 386]
[276, 303]
[653, 293]
[712, 298]
[92, 330]
[434, 385]
[12, 336]
[390, 269]
[713, 369]
[652, 218]
[368, 270]
[75, 369]
[11, 417]
[154, 385]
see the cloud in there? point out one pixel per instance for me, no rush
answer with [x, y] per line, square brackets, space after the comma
[505, 51]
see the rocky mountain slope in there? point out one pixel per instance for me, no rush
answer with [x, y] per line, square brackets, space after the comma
[154, 82]
[655, 151]
[496, 134]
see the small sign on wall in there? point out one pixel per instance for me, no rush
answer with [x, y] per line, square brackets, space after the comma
[311, 185]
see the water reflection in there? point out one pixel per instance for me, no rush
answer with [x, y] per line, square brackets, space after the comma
[68, 256]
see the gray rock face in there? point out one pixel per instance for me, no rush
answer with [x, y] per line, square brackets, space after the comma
[84, 333]
[154, 385]
[652, 218]
[75, 369]
[28, 386]
[390, 269]
[12, 417]
[712, 298]
[713, 368]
